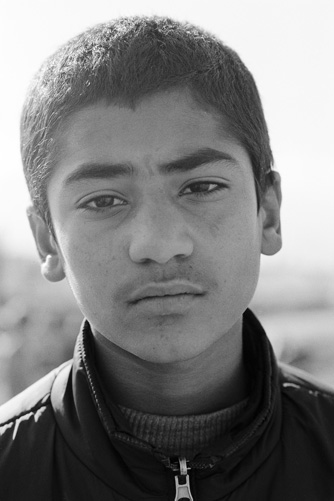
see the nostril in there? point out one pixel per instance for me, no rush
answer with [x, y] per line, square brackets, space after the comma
[160, 250]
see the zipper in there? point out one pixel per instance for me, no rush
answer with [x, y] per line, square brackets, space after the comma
[182, 484]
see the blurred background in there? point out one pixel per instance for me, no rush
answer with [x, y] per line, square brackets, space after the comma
[288, 45]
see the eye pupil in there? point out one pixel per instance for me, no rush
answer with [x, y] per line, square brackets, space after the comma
[201, 187]
[103, 201]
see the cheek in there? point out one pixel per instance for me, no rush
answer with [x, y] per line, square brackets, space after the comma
[237, 249]
[89, 267]
[247, 265]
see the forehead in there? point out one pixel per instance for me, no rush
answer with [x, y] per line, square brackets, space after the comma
[158, 129]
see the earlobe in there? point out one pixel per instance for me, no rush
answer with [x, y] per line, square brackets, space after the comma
[51, 263]
[271, 221]
[52, 268]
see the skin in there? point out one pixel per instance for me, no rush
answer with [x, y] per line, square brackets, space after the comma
[178, 351]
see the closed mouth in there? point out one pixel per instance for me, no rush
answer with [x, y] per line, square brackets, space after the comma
[165, 290]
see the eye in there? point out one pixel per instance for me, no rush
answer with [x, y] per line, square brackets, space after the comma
[102, 203]
[202, 188]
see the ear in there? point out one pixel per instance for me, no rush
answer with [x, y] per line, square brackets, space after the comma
[48, 250]
[271, 222]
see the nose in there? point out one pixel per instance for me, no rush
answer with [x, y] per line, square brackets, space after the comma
[159, 235]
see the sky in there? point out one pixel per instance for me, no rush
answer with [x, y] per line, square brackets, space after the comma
[288, 46]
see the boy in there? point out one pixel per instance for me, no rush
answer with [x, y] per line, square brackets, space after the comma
[148, 161]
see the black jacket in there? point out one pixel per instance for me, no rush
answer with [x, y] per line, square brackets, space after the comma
[60, 441]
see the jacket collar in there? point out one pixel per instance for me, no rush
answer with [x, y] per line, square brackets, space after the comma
[98, 434]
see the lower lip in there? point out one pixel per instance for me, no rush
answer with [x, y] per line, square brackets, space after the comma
[166, 305]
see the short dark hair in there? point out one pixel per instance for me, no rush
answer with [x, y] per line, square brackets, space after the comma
[123, 61]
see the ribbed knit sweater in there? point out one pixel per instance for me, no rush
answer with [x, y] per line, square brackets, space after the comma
[182, 435]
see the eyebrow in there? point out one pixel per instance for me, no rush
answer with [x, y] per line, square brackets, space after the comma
[190, 161]
[196, 159]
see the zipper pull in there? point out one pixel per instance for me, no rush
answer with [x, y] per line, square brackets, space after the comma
[182, 484]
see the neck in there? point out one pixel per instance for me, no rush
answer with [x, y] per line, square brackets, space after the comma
[213, 380]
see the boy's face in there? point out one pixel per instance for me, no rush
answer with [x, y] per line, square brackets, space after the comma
[157, 227]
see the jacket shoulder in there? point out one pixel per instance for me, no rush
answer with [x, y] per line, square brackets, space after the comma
[27, 442]
[29, 400]
[292, 377]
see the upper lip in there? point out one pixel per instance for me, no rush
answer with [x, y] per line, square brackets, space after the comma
[165, 289]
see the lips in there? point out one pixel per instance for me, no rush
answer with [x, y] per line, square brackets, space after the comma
[165, 290]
